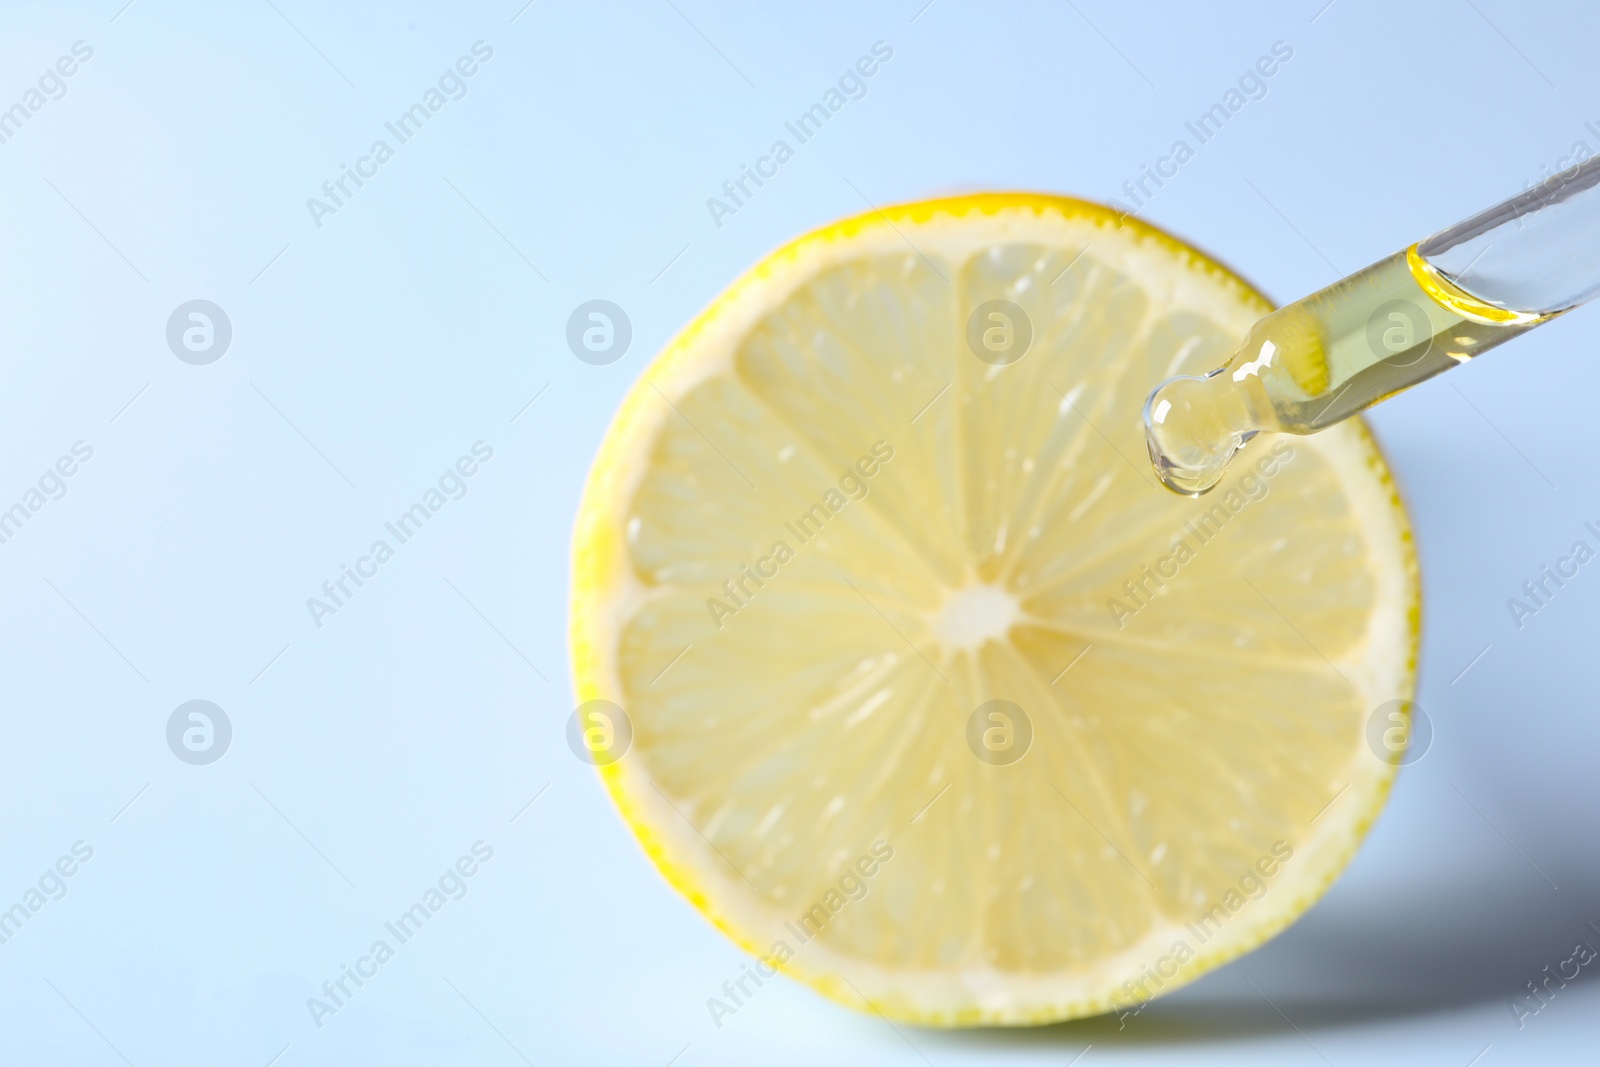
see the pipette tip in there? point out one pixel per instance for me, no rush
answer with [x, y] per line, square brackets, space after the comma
[1190, 442]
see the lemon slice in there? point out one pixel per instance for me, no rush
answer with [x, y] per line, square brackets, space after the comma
[937, 702]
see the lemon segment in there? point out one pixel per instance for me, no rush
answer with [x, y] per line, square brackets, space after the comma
[827, 532]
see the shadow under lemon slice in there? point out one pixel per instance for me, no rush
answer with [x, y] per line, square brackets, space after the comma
[936, 701]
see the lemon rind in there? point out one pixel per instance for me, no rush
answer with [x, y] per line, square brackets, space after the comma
[604, 589]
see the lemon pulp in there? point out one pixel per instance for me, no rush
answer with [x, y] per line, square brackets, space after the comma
[929, 709]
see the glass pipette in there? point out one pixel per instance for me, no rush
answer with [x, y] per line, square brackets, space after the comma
[1385, 328]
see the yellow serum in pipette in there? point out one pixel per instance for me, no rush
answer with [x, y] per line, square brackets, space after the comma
[1318, 360]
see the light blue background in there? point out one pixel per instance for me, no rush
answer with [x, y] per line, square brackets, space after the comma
[373, 351]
